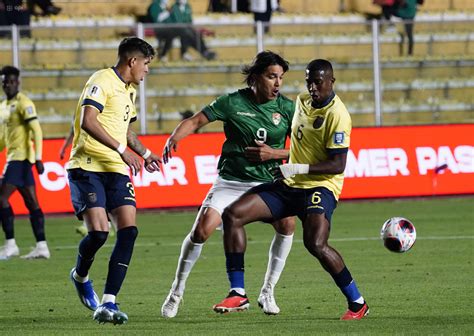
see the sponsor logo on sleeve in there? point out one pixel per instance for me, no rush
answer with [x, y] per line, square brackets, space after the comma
[339, 138]
[29, 110]
[94, 91]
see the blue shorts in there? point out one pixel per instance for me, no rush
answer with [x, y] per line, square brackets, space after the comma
[19, 174]
[284, 201]
[104, 190]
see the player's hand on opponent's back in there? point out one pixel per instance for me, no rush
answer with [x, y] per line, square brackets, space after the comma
[132, 160]
[152, 163]
[170, 144]
[259, 153]
[39, 166]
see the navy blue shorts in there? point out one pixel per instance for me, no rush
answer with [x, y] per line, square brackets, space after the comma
[19, 174]
[104, 190]
[284, 201]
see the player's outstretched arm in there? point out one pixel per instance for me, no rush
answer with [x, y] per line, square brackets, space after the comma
[185, 127]
[91, 125]
[152, 161]
[262, 152]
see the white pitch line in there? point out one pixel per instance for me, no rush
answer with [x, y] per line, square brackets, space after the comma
[69, 247]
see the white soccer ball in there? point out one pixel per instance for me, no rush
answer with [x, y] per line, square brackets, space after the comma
[398, 234]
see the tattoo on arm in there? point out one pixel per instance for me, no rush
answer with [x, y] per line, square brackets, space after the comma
[134, 143]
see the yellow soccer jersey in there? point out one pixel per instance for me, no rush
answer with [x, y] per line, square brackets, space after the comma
[16, 113]
[3, 121]
[316, 133]
[106, 91]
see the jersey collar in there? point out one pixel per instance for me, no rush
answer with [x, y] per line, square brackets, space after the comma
[324, 103]
[118, 75]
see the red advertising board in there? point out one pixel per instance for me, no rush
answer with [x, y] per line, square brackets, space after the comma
[382, 162]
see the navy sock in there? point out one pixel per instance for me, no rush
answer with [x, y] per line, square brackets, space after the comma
[37, 224]
[235, 269]
[347, 285]
[7, 217]
[120, 259]
[88, 247]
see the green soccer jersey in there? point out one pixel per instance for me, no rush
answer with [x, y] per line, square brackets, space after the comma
[244, 122]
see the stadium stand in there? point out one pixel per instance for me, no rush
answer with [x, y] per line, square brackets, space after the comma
[434, 86]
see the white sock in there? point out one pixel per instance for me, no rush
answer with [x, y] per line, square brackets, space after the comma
[79, 278]
[190, 253]
[10, 242]
[41, 244]
[279, 250]
[239, 290]
[107, 298]
[360, 300]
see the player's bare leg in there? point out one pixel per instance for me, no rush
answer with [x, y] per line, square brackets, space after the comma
[249, 208]
[315, 237]
[10, 248]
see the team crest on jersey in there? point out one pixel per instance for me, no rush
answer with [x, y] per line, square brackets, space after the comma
[276, 118]
[318, 122]
[12, 108]
[94, 91]
[339, 138]
[92, 197]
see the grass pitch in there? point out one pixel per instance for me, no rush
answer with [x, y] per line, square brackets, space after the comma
[426, 291]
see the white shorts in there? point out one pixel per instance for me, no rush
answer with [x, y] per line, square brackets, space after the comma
[224, 192]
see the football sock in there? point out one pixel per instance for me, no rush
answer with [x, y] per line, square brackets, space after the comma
[190, 253]
[279, 250]
[7, 217]
[10, 242]
[347, 285]
[235, 269]
[37, 224]
[88, 247]
[120, 259]
[107, 298]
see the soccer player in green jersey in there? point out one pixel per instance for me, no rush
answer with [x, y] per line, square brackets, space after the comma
[257, 121]
[311, 185]
[21, 126]
[103, 146]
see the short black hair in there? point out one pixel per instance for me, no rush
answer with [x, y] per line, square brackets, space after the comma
[8, 70]
[321, 64]
[132, 45]
[262, 61]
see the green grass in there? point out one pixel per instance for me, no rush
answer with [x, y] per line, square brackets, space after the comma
[427, 291]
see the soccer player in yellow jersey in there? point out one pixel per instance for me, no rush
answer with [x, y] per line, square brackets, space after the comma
[103, 146]
[20, 126]
[309, 187]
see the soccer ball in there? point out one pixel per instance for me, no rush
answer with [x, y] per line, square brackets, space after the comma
[398, 234]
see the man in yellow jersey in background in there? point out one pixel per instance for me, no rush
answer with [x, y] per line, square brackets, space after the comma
[309, 186]
[21, 126]
[103, 146]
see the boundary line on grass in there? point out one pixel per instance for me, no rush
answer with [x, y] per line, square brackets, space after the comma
[68, 247]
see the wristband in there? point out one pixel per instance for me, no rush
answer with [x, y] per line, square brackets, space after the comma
[289, 170]
[121, 149]
[147, 154]
[38, 157]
